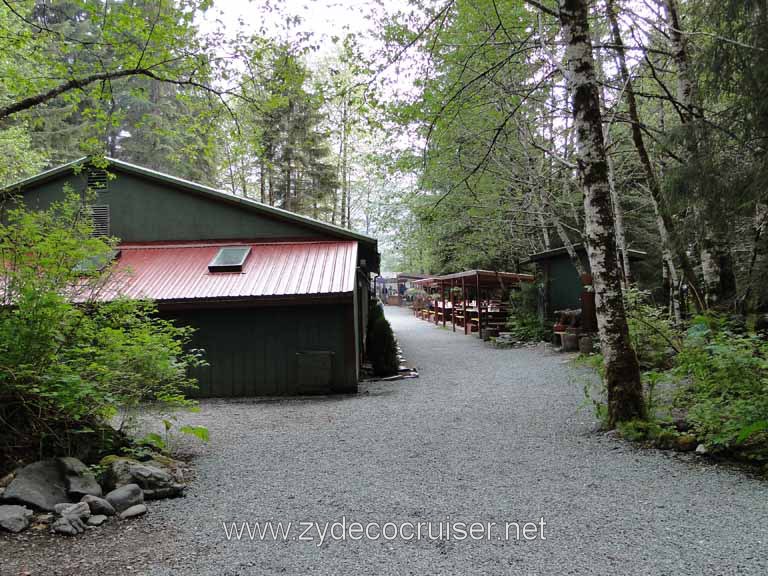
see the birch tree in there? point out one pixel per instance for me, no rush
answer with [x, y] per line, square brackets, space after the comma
[622, 373]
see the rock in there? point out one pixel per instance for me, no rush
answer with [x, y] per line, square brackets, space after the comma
[133, 511]
[69, 526]
[701, 449]
[172, 491]
[124, 497]
[79, 510]
[78, 479]
[99, 506]
[5, 480]
[14, 518]
[39, 485]
[686, 443]
[156, 482]
[97, 520]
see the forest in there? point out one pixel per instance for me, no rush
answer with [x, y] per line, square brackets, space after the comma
[461, 134]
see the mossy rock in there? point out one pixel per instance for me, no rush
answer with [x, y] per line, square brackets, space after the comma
[107, 461]
[686, 443]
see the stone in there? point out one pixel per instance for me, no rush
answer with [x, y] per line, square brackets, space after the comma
[160, 477]
[124, 497]
[39, 485]
[133, 511]
[14, 518]
[172, 491]
[99, 506]
[78, 479]
[78, 510]
[701, 449]
[97, 520]
[69, 526]
[686, 443]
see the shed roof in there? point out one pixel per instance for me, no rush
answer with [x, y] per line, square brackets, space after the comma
[178, 272]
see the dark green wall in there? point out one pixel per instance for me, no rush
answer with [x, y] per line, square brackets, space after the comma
[563, 285]
[253, 351]
[142, 210]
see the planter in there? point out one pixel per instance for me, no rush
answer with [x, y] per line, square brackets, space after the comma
[570, 342]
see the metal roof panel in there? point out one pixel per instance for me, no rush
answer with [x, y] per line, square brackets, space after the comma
[179, 271]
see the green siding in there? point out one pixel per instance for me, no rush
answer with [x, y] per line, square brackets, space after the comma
[564, 285]
[253, 351]
[142, 210]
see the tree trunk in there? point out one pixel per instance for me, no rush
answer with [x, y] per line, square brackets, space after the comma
[618, 210]
[714, 251]
[671, 243]
[262, 182]
[622, 372]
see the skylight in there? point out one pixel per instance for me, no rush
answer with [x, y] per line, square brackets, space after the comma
[230, 259]
[94, 264]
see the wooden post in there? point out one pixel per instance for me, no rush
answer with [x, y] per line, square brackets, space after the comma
[479, 308]
[464, 296]
[453, 309]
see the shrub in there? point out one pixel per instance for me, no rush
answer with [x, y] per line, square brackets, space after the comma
[524, 321]
[382, 347]
[724, 378]
[69, 360]
[653, 334]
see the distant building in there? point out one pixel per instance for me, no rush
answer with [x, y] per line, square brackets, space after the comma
[561, 285]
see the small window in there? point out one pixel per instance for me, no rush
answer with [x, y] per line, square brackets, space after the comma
[230, 259]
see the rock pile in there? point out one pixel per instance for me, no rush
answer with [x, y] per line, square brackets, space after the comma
[64, 493]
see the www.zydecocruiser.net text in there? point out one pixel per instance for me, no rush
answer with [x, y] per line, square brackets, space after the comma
[346, 530]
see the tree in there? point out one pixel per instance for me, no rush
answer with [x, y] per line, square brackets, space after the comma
[71, 358]
[622, 372]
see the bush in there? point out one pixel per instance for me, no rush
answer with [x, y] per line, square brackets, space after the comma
[69, 360]
[382, 347]
[724, 378]
[524, 322]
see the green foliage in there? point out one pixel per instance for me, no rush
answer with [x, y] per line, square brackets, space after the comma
[524, 320]
[653, 334]
[648, 431]
[382, 346]
[70, 360]
[724, 376]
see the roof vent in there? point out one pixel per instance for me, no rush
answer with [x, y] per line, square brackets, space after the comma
[100, 216]
[97, 179]
[230, 259]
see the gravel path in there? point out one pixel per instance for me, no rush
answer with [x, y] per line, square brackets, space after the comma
[483, 435]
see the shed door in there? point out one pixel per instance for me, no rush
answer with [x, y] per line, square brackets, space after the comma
[314, 371]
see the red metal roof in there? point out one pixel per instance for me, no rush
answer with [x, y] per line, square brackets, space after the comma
[179, 272]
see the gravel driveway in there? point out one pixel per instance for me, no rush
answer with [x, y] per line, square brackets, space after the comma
[483, 435]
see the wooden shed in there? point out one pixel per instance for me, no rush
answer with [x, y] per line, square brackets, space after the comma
[560, 280]
[279, 300]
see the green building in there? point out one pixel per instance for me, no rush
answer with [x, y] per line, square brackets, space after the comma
[279, 300]
[559, 279]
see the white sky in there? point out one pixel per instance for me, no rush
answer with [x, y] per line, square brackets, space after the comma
[322, 18]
